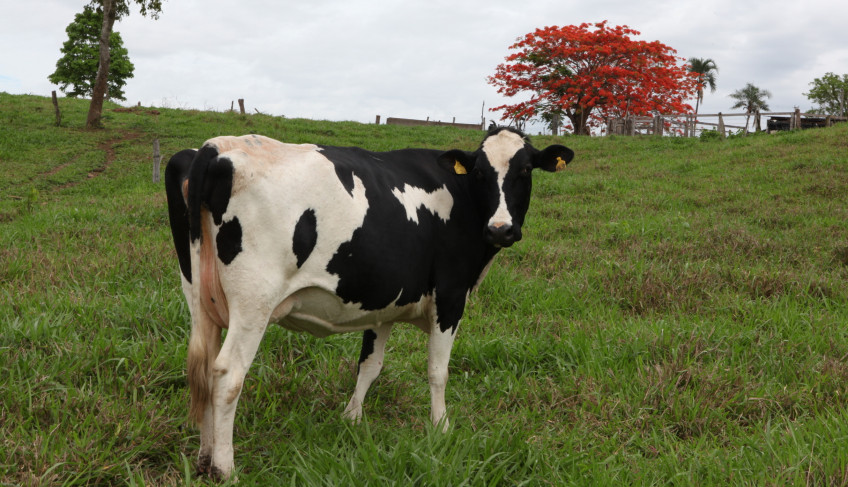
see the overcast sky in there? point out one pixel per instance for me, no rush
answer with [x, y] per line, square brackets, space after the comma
[355, 59]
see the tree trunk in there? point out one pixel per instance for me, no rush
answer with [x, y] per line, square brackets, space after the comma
[95, 109]
[698, 102]
[579, 121]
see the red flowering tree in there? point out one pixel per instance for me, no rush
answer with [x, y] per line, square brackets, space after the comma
[590, 72]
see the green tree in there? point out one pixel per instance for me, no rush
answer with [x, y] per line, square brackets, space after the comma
[77, 68]
[706, 70]
[752, 99]
[830, 92]
[111, 10]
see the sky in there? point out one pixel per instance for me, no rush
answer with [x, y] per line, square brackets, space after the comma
[356, 59]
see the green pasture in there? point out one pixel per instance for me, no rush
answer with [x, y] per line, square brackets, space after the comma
[677, 314]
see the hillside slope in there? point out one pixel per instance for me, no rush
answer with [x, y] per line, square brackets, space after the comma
[676, 313]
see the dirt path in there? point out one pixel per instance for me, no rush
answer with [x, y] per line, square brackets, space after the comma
[107, 146]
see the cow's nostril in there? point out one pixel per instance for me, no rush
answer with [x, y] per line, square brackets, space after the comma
[501, 234]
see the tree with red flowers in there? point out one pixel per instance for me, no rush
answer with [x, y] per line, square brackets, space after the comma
[590, 72]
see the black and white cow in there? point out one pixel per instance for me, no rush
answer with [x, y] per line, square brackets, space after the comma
[330, 240]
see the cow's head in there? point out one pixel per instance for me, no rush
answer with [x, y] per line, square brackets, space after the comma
[501, 170]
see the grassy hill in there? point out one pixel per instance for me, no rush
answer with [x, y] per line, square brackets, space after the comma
[677, 313]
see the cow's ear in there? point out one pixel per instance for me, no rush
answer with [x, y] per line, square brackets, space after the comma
[458, 161]
[553, 158]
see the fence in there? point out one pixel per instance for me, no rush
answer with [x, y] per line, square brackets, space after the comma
[689, 125]
[417, 123]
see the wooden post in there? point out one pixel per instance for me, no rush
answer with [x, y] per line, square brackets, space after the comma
[797, 118]
[156, 160]
[720, 125]
[241, 105]
[232, 103]
[377, 122]
[828, 121]
[757, 121]
[658, 125]
[56, 106]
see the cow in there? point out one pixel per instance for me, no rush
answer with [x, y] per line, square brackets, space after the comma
[328, 240]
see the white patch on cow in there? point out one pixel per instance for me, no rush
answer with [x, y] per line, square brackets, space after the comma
[499, 149]
[322, 313]
[438, 202]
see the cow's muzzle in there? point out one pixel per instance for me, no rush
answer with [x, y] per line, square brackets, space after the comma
[502, 234]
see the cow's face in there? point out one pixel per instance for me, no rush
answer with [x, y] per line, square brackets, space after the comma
[501, 171]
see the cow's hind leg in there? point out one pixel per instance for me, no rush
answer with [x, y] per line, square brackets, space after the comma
[212, 340]
[370, 365]
[237, 353]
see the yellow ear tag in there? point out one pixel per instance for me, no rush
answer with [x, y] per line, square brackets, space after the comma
[560, 164]
[459, 168]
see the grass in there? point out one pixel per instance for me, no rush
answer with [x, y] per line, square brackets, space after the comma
[675, 315]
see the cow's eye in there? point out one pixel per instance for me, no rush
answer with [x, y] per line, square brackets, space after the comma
[525, 171]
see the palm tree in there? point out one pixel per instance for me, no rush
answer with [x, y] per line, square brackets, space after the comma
[706, 70]
[752, 99]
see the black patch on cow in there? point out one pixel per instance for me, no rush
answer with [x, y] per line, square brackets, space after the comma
[219, 187]
[176, 172]
[391, 259]
[228, 240]
[305, 236]
[346, 178]
[368, 338]
[347, 161]
[210, 186]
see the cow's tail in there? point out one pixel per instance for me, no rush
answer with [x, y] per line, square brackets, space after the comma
[209, 316]
[199, 366]
[190, 207]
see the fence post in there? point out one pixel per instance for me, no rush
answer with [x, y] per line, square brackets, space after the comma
[797, 118]
[828, 122]
[156, 160]
[56, 106]
[241, 105]
[720, 125]
[377, 122]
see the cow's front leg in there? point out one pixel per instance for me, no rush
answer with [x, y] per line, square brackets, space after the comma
[440, 345]
[370, 365]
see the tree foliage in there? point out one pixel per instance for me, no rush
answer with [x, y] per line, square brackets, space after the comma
[590, 72]
[111, 10]
[77, 68]
[830, 93]
[705, 70]
[752, 99]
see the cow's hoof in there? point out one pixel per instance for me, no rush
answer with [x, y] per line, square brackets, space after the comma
[204, 465]
[353, 413]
